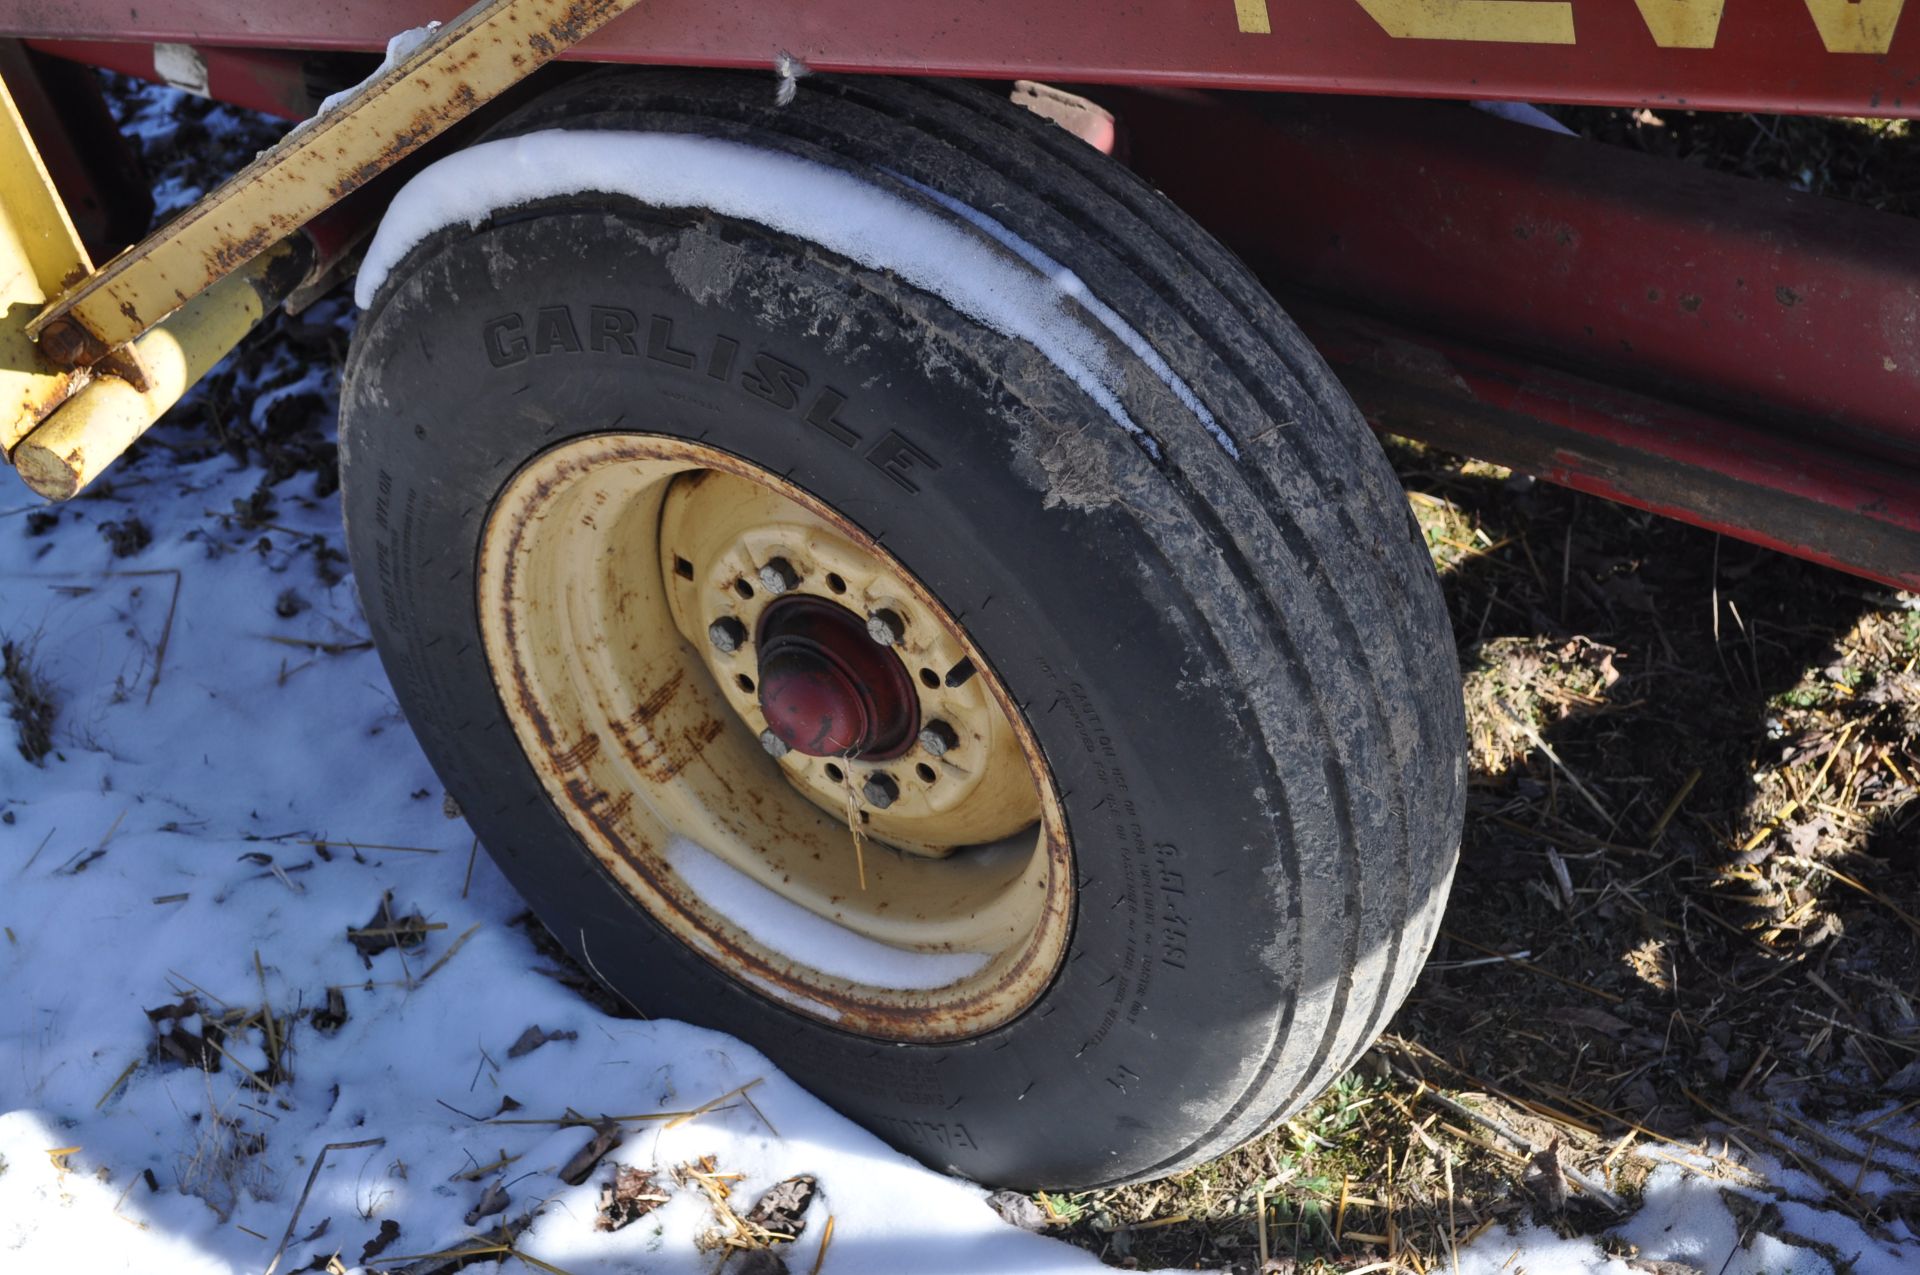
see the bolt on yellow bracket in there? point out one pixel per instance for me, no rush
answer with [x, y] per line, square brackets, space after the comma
[162, 312]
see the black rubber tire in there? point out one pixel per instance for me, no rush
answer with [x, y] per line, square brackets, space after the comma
[1240, 670]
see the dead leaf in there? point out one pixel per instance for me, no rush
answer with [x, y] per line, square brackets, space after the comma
[1551, 1182]
[782, 1208]
[386, 931]
[493, 1200]
[389, 1232]
[1019, 1210]
[532, 1038]
[606, 1136]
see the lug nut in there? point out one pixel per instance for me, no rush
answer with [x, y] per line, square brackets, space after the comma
[937, 737]
[778, 576]
[880, 790]
[776, 747]
[886, 627]
[727, 635]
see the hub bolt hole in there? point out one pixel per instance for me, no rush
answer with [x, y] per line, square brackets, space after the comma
[886, 627]
[742, 588]
[778, 576]
[744, 682]
[938, 738]
[835, 583]
[727, 635]
[929, 679]
[835, 774]
[880, 790]
[927, 773]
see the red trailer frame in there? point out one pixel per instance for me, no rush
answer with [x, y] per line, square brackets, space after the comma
[1708, 347]
[1842, 57]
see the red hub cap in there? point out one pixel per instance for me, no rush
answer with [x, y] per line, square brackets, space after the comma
[829, 690]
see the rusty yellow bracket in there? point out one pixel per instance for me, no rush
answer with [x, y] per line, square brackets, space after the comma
[39, 254]
[119, 345]
[490, 47]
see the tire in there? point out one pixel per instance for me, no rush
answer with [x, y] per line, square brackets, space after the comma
[1231, 653]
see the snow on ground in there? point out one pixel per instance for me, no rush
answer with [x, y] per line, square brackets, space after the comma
[161, 856]
[229, 793]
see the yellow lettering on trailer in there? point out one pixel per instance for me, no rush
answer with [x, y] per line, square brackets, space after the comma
[1252, 16]
[1682, 24]
[1501, 21]
[1856, 26]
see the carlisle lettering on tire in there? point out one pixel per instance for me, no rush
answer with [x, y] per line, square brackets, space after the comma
[1127, 536]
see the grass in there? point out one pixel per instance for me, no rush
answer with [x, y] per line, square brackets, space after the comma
[30, 702]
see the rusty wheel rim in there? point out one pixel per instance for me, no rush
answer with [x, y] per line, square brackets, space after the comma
[627, 586]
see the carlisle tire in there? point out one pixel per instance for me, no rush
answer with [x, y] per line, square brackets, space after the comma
[1011, 699]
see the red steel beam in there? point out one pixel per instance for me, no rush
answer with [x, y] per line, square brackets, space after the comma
[1719, 350]
[1736, 295]
[1725, 475]
[1846, 57]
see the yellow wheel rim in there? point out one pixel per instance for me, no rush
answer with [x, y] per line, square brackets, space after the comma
[924, 895]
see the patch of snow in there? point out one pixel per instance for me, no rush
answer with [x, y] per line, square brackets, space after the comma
[1072, 285]
[878, 228]
[800, 936]
[399, 49]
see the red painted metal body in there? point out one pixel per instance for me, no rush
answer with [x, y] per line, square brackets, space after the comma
[1765, 55]
[1720, 350]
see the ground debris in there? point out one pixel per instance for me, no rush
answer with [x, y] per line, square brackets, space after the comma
[532, 1038]
[626, 1197]
[781, 1209]
[173, 1042]
[30, 701]
[782, 1205]
[126, 536]
[492, 1200]
[580, 1166]
[1019, 1209]
[389, 1232]
[1547, 1178]
[332, 1016]
[385, 931]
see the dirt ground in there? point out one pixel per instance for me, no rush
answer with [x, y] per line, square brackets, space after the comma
[1687, 916]
[1688, 908]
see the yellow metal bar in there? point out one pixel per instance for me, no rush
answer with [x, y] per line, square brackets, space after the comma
[39, 252]
[91, 429]
[487, 49]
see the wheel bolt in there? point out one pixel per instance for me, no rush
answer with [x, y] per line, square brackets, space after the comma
[880, 790]
[886, 627]
[776, 747]
[937, 737]
[778, 576]
[727, 635]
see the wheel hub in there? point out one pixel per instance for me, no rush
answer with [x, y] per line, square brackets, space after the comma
[827, 689]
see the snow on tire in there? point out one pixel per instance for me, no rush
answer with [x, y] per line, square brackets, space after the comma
[959, 387]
